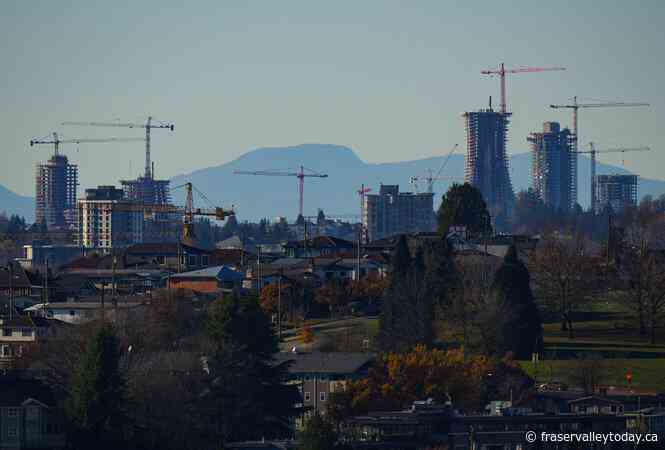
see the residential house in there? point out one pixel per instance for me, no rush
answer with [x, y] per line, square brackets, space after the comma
[82, 312]
[319, 374]
[594, 404]
[210, 280]
[319, 246]
[28, 419]
[20, 333]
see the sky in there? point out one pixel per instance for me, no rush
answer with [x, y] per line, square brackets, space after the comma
[388, 78]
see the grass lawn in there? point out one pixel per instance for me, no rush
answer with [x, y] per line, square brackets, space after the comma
[648, 374]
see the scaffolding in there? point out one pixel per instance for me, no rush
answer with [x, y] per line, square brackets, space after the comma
[553, 165]
[56, 182]
[487, 166]
[617, 191]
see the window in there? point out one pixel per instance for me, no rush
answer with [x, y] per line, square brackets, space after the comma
[6, 331]
[322, 396]
[6, 351]
[26, 332]
[72, 312]
[307, 396]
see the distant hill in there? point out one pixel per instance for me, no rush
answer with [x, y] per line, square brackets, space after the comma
[12, 203]
[257, 197]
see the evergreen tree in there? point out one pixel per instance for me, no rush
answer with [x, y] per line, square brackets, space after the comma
[317, 434]
[514, 323]
[464, 205]
[247, 397]
[95, 408]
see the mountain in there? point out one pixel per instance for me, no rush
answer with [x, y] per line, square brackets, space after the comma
[12, 203]
[258, 197]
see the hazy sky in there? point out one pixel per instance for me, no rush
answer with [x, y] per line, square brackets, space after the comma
[387, 78]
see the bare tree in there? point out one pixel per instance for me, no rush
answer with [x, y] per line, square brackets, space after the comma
[565, 275]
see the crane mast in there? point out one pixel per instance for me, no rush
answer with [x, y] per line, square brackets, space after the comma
[593, 151]
[300, 174]
[502, 71]
[148, 125]
[575, 107]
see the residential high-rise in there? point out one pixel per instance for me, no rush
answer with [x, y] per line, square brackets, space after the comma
[486, 161]
[106, 220]
[56, 182]
[392, 212]
[553, 165]
[618, 191]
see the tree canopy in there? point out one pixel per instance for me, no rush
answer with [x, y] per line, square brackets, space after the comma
[463, 205]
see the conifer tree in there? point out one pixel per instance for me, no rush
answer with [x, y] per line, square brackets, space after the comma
[95, 408]
[514, 322]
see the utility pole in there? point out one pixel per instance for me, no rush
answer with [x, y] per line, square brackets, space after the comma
[279, 305]
[11, 290]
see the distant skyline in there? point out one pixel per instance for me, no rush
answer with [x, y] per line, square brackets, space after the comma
[389, 79]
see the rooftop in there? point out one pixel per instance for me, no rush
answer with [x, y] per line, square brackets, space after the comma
[319, 362]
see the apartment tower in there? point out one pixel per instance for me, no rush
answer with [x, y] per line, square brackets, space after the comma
[56, 182]
[553, 165]
[486, 160]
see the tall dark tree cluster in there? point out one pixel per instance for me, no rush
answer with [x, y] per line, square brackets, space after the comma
[246, 398]
[96, 407]
[511, 322]
[417, 286]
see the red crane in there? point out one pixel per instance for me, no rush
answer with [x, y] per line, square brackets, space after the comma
[301, 175]
[502, 71]
[575, 106]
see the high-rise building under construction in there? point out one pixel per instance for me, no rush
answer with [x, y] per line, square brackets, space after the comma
[56, 182]
[553, 165]
[617, 191]
[486, 161]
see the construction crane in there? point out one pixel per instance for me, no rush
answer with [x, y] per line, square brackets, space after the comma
[301, 175]
[575, 107]
[56, 140]
[431, 176]
[502, 71]
[188, 211]
[592, 151]
[148, 125]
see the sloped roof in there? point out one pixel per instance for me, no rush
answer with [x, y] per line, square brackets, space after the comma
[319, 362]
[222, 273]
[321, 242]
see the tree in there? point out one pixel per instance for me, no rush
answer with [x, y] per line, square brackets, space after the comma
[513, 323]
[565, 275]
[335, 294]
[396, 380]
[95, 407]
[16, 225]
[247, 397]
[318, 434]
[463, 205]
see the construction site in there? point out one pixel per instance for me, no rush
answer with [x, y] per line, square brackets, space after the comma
[553, 165]
[617, 191]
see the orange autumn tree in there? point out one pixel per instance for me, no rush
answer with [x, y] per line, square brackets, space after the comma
[399, 379]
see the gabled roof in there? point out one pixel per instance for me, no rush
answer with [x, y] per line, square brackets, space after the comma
[594, 398]
[321, 242]
[319, 362]
[20, 278]
[222, 273]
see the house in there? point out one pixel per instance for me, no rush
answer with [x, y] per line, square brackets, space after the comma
[318, 246]
[594, 404]
[319, 374]
[211, 280]
[81, 312]
[27, 416]
[16, 280]
[20, 333]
